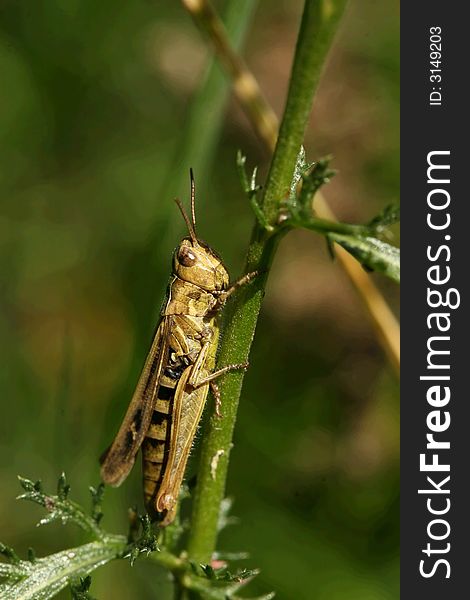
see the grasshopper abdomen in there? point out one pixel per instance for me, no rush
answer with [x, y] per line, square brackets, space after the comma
[155, 447]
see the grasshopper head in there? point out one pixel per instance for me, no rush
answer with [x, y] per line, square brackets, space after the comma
[196, 263]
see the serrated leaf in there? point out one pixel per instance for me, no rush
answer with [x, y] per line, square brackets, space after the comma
[27, 484]
[241, 165]
[389, 216]
[63, 488]
[80, 589]
[32, 555]
[146, 543]
[47, 576]
[251, 189]
[9, 554]
[15, 571]
[297, 210]
[301, 167]
[243, 576]
[218, 583]
[249, 185]
[96, 500]
[60, 508]
[372, 253]
[208, 571]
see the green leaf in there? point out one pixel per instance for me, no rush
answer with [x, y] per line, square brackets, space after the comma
[80, 589]
[300, 171]
[222, 576]
[296, 210]
[372, 253]
[30, 486]
[13, 572]
[241, 167]
[389, 216]
[146, 543]
[96, 500]
[209, 572]
[32, 555]
[63, 488]
[60, 508]
[45, 577]
[9, 554]
[251, 189]
[317, 175]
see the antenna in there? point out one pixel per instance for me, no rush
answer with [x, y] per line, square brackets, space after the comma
[190, 224]
[193, 199]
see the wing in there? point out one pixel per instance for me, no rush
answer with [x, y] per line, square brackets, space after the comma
[187, 411]
[120, 457]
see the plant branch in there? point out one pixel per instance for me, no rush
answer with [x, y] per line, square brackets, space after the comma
[327, 226]
[243, 81]
[316, 32]
[266, 127]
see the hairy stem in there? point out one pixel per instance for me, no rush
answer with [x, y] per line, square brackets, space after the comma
[319, 23]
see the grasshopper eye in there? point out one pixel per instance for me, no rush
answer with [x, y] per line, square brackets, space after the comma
[186, 257]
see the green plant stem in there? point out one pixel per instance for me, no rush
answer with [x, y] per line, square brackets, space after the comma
[168, 560]
[326, 226]
[319, 21]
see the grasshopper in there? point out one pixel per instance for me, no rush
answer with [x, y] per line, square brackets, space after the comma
[171, 392]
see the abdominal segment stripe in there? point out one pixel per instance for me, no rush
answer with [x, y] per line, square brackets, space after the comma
[156, 443]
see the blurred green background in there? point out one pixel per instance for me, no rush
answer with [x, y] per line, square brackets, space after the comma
[95, 102]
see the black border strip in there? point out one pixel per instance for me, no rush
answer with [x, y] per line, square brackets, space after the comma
[425, 128]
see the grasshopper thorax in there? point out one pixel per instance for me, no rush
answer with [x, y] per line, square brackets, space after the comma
[198, 264]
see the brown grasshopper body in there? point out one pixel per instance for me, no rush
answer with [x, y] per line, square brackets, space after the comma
[171, 393]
